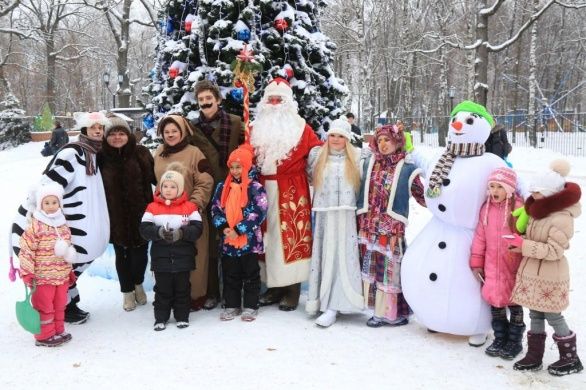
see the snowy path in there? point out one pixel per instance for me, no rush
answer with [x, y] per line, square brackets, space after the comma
[279, 350]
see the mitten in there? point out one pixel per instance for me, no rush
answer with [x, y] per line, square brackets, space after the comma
[522, 219]
[408, 142]
[28, 279]
[514, 241]
[60, 247]
[161, 232]
[177, 234]
[70, 254]
[168, 235]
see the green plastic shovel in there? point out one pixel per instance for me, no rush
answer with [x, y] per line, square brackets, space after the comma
[26, 314]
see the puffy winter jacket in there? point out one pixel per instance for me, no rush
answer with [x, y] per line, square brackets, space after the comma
[490, 252]
[181, 214]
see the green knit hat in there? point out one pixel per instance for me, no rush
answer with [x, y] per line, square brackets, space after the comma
[476, 108]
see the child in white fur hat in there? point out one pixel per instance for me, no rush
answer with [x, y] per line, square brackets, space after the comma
[334, 280]
[543, 278]
[45, 259]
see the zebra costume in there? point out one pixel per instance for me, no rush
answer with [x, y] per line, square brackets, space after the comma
[84, 207]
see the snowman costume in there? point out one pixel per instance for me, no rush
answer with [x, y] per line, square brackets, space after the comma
[436, 276]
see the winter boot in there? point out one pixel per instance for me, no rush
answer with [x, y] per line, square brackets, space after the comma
[500, 328]
[291, 298]
[249, 315]
[327, 318]
[140, 295]
[53, 341]
[533, 360]
[271, 296]
[74, 315]
[229, 313]
[514, 344]
[569, 362]
[129, 302]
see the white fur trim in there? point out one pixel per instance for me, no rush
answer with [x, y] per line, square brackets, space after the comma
[364, 208]
[87, 119]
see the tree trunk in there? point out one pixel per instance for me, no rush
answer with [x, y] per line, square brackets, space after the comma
[122, 60]
[481, 60]
[531, 117]
[51, 72]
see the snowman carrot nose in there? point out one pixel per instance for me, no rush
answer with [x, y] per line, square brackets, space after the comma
[457, 125]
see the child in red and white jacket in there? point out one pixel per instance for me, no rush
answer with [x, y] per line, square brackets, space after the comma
[495, 266]
[45, 258]
[173, 224]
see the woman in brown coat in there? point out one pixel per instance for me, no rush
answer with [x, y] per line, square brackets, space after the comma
[543, 278]
[127, 174]
[199, 183]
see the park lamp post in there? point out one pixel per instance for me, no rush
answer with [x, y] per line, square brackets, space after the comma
[106, 79]
[451, 94]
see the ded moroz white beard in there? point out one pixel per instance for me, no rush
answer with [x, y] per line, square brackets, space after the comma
[276, 130]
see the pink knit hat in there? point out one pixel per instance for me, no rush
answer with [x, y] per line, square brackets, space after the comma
[505, 177]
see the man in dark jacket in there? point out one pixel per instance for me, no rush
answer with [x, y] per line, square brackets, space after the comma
[497, 143]
[59, 138]
[355, 129]
[217, 134]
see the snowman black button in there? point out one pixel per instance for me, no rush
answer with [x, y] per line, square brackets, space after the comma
[441, 208]
[433, 276]
[446, 182]
[442, 245]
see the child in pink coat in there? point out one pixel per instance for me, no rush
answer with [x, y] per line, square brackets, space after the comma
[495, 267]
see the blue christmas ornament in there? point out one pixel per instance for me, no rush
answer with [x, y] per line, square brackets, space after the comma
[148, 121]
[170, 27]
[237, 94]
[152, 74]
[243, 35]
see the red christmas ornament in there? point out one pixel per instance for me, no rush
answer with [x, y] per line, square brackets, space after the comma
[188, 26]
[281, 24]
[173, 72]
[290, 73]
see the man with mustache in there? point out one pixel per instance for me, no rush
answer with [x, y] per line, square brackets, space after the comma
[282, 141]
[216, 134]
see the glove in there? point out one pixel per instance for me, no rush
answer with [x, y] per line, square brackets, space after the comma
[408, 142]
[522, 219]
[162, 232]
[28, 279]
[72, 278]
[177, 234]
[168, 235]
[516, 241]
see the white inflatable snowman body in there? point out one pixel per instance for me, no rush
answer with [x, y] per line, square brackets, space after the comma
[435, 273]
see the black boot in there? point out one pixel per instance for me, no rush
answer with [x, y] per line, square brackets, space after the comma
[514, 344]
[291, 298]
[271, 296]
[74, 315]
[569, 362]
[500, 328]
[534, 357]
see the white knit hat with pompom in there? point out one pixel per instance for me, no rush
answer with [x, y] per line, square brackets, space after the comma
[552, 181]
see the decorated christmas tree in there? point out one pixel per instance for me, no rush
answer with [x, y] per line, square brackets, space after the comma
[201, 39]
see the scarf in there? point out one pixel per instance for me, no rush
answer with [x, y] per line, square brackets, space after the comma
[169, 150]
[207, 127]
[55, 220]
[90, 148]
[446, 161]
[234, 214]
[541, 208]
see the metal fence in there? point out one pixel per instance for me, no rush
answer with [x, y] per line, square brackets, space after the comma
[564, 133]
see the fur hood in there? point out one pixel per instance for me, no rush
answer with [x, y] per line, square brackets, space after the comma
[565, 199]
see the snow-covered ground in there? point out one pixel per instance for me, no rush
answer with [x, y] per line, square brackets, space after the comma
[279, 350]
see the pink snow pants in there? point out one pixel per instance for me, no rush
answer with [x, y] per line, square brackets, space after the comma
[50, 301]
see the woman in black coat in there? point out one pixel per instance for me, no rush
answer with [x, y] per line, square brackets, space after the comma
[128, 176]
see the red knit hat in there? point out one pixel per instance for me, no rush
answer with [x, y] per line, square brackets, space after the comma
[505, 177]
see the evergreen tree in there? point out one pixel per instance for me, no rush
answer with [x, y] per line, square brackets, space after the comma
[14, 129]
[200, 39]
